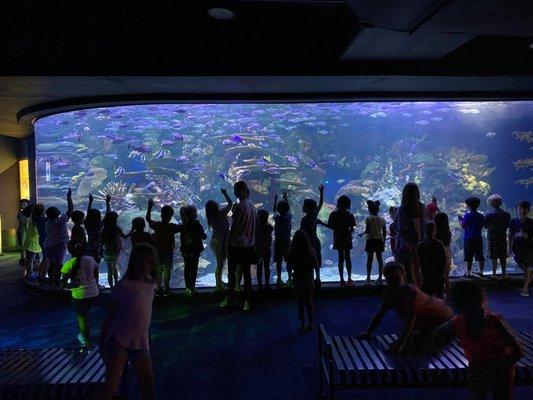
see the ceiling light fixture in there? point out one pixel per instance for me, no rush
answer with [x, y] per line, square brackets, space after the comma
[222, 14]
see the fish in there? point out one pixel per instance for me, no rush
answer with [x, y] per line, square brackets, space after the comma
[323, 131]
[293, 160]
[60, 163]
[237, 139]
[227, 142]
[490, 134]
[379, 114]
[112, 156]
[328, 263]
[161, 154]
[407, 115]
[422, 122]
[222, 176]
[119, 172]
[141, 148]
[525, 182]
[178, 137]
[427, 112]
[341, 180]
[166, 143]
[438, 119]
[182, 159]
[523, 163]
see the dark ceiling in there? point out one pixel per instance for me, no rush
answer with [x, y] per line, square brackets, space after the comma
[354, 47]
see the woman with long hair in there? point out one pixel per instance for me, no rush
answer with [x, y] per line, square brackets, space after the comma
[410, 221]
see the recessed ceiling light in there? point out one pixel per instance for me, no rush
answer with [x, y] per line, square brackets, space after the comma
[221, 13]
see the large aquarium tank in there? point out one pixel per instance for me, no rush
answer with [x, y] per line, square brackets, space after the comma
[182, 154]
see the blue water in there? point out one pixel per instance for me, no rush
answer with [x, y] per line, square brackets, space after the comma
[183, 153]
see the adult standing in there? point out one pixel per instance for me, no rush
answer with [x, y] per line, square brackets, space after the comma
[410, 220]
[241, 244]
[23, 203]
[432, 209]
[496, 222]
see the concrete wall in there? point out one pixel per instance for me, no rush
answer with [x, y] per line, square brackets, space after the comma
[9, 186]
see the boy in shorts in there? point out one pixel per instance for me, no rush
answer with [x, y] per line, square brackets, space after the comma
[473, 222]
[164, 232]
[282, 236]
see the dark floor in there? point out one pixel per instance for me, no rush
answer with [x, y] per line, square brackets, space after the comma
[203, 352]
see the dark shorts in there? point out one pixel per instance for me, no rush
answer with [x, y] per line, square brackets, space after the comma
[165, 260]
[303, 286]
[56, 253]
[317, 247]
[374, 246]
[473, 248]
[281, 249]
[82, 306]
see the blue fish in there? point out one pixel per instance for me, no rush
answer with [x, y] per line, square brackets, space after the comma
[141, 148]
[222, 176]
[167, 142]
[293, 160]
[177, 136]
[237, 139]
[112, 156]
[182, 159]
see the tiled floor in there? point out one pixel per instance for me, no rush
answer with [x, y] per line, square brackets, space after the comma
[203, 352]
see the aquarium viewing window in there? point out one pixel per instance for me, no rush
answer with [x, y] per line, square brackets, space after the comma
[183, 153]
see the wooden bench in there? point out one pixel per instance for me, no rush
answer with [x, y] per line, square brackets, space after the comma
[346, 363]
[53, 373]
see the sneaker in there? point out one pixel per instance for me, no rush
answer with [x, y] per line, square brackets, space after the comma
[350, 282]
[166, 292]
[83, 340]
[246, 306]
[524, 293]
[226, 302]
[158, 293]
[343, 283]
[368, 281]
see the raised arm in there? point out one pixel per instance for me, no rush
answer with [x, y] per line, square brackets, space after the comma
[89, 204]
[286, 198]
[108, 203]
[70, 204]
[149, 213]
[226, 209]
[321, 199]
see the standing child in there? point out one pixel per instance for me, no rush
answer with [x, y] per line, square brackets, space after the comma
[241, 243]
[57, 238]
[521, 242]
[23, 203]
[263, 245]
[488, 342]
[93, 226]
[497, 222]
[124, 334]
[432, 258]
[78, 231]
[472, 222]
[302, 258]
[138, 234]
[444, 234]
[217, 220]
[343, 223]
[165, 244]
[393, 230]
[112, 237]
[282, 236]
[30, 243]
[308, 224]
[82, 271]
[376, 232]
[191, 236]
[40, 223]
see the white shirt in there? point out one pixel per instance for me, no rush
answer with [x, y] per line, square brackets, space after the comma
[87, 287]
[242, 231]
